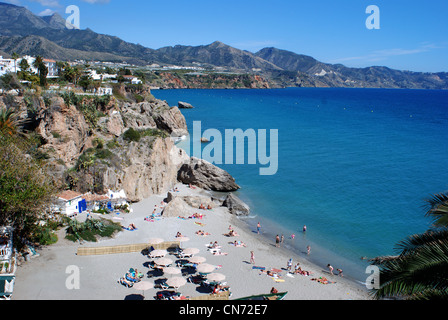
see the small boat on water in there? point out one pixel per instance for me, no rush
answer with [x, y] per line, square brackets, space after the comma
[271, 296]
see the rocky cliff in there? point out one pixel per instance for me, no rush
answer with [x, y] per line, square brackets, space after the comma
[93, 144]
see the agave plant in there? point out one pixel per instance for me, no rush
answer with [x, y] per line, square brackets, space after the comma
[420, 271]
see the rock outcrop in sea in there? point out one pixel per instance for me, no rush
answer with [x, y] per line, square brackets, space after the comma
[184, 105]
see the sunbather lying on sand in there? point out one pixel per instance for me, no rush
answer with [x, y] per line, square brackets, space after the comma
[219, 253]
[238, 243]
[232, 233]
[202, 233]
[322, 280]
[270, 273]
[302, 272]
[213, 245]
[196, 216]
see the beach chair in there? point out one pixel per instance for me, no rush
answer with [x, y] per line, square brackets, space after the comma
[214, 250]
[182, 255]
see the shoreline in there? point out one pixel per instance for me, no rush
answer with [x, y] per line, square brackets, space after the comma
[99, 274]
[290, 246]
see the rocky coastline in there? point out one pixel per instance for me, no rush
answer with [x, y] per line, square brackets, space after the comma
[95, 144]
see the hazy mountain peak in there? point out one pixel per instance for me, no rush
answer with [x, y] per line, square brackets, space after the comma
[55, 21]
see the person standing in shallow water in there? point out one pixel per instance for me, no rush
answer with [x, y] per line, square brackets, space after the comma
[258, 227]
[277, 241]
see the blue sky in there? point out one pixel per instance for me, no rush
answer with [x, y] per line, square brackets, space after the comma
[413, 34]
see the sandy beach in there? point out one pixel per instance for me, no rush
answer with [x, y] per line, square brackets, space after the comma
[44, 277]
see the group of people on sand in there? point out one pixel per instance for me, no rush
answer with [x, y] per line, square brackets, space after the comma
[232, 233]
[297, 269]
[202, 207]
[331, 270]
[196, 216]
[238, 243]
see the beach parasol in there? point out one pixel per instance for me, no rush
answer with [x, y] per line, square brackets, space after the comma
[158, 253]
[190, 251]
[163, 262]
[176, 282]
[171, 270]
[143, 286]
[197, 259]
[216, 277]
[205, 268]
[182, 239]
[155, 241]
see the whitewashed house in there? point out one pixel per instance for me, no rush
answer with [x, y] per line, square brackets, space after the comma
[132, 79]
[52, 68]
[6, 66]
[104, 91]
[70, 203]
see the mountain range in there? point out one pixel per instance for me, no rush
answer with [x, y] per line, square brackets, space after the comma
[23, 32]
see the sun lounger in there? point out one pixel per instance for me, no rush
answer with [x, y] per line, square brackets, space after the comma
[214, 250]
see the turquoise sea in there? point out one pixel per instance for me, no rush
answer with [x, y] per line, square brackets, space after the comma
[355, 165]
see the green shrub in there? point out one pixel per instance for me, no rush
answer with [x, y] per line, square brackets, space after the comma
[132, 135]
[103, 154]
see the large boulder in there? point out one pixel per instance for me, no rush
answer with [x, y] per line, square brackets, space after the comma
[177, 208]
[194, 201]
[236, 206]
[207, 176]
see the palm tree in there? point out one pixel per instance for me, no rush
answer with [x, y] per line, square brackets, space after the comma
[420, 271]
[8, 121]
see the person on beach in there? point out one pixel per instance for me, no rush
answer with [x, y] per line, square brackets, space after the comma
[330, 268]
[258, 228]
[289, 265]
[252, 257]
[340, 272]
[282, 239]
[304, 229]
[297, 268]
[274, 291]
[308, 249]
[277, 241]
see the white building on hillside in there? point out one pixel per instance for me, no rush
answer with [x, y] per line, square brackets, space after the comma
[69, 203]
[6, 66]
[132, 79]
[11, 66]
